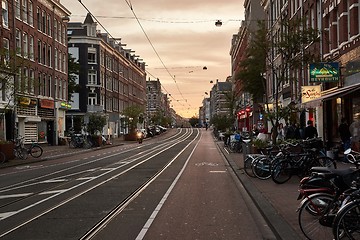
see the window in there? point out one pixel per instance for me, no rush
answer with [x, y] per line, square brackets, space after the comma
[48, 87]
[59, 32]
[25, 11]
[38, 19]
[64, 91]
[56, 59]
[49, 56]
[92, 99]
[18, 41]
[55, 29]
[31, 47]
[30, 14]
[6, 47]
[17, 9]
[92, 80]
[39, 52]
[5, 13]
[43, 19]
[63, 35]
[44, 56]
[25, 45]
[49, 32]
[56, 88]
[59, 60]
[31, 80]
[25, 80]
[91, 55]
[63, 62]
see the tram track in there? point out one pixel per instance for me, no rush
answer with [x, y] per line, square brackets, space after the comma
[91, 178]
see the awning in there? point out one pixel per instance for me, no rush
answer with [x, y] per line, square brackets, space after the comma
[340, 92]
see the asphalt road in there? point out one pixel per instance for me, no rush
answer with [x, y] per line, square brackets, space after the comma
[177, 186]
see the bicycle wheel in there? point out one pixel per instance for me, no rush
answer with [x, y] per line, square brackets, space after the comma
[311, 210]
[2, 157]
[347, 222]
[281, 171]
[21, 153]
[36, 151]
[326, 162]
[262, 168]
[248, 165]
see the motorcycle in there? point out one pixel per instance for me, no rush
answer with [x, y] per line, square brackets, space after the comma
[139, 137]
[327, 180]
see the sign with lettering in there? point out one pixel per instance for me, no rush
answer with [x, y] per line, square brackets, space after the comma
[47, 103]
[324, 72]
[309, 93]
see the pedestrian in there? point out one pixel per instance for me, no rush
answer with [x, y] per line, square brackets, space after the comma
[310, 131]
[345, 134]
[290, 133]
[280, 132]
[355, 134]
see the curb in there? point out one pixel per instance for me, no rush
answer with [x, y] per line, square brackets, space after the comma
[279, 226]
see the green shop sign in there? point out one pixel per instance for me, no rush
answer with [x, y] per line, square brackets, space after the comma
[324, 72]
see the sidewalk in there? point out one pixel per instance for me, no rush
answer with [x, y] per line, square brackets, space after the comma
[55, 152]
[276, 202]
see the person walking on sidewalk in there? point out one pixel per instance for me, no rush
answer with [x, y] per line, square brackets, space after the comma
[310, 131]
[345, 134]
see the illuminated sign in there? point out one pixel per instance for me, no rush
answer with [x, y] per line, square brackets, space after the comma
[47, 103]
[324, 72]
[309, 93]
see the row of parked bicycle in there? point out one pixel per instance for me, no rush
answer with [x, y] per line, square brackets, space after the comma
[330, 197]
[23, 151]
[330, 207]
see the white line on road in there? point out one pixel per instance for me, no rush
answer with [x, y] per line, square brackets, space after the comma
[15, 195]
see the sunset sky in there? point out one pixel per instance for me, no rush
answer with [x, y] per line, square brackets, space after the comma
[183, 34]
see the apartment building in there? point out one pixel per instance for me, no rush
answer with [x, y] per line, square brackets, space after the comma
[111, 78]
[337, 23]
[33, 37]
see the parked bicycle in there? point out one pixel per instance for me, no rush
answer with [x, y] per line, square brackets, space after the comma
[22, 152]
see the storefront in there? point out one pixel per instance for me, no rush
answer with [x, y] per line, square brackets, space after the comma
[330, 107]
[46, 130]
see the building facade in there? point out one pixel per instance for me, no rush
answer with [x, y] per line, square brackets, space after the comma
[111, 78]
[34, 41]
[337, 23]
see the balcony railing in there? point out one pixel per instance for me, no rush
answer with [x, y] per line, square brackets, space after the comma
[95, 108]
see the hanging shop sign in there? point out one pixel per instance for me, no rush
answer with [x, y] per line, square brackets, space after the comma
[309, 93]
[47, 103]
[324, 72]
[65, 105]
[25, 101]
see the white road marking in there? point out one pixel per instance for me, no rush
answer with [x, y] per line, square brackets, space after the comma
[15, 195]
[54, 181]
[7, 214]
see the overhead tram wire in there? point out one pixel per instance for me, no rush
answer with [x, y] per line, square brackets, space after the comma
[162, 86]
[128, 2]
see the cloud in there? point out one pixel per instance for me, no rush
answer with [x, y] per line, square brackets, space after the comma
[183, 34]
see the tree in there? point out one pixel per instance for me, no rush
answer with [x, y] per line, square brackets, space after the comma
[73, 72]
[222, 122]
[293, 47]
[133, 113]
[96, 123]
[194, 121]
[13, 86]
